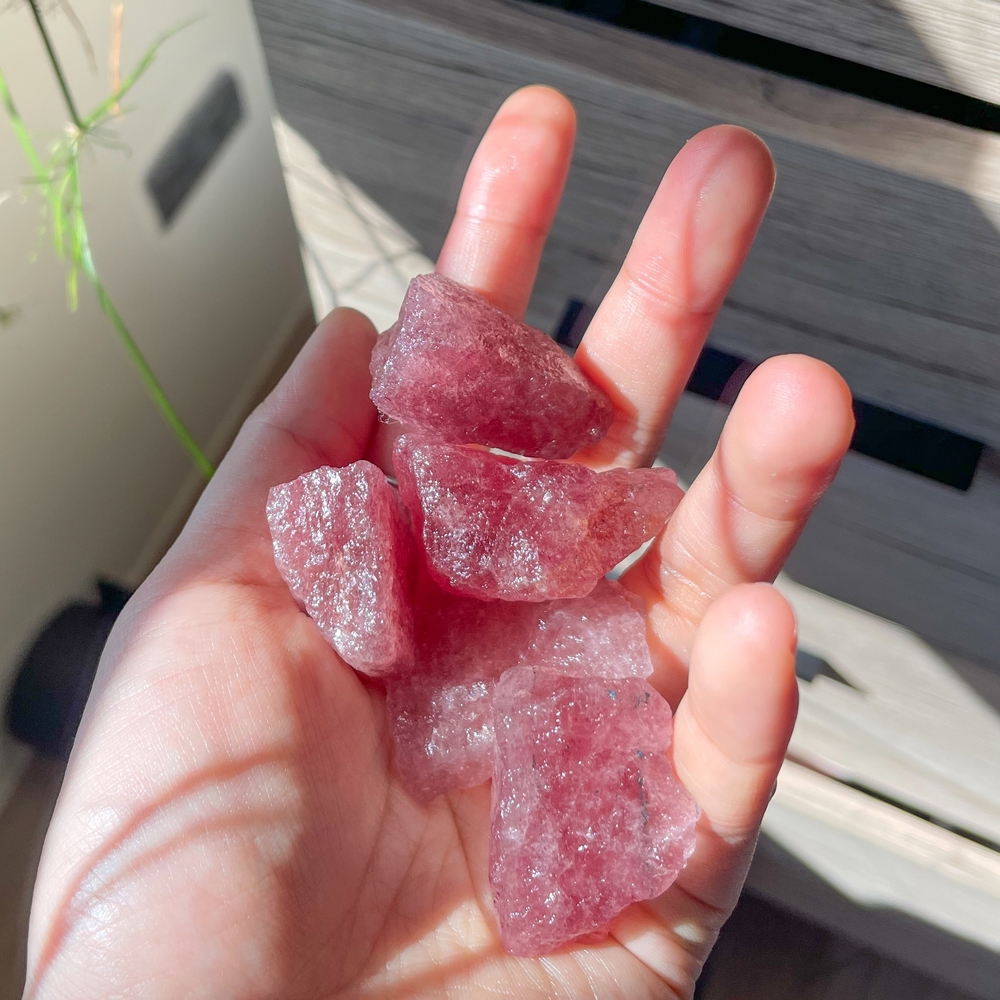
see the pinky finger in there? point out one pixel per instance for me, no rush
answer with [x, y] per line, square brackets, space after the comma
[731, 731]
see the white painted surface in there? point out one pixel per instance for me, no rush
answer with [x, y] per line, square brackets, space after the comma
[91, 481]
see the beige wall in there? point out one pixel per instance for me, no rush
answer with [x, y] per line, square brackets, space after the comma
[90, 479]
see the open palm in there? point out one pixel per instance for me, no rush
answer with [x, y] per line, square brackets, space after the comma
[231, 825]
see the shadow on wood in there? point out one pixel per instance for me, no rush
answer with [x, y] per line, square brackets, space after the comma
[782, 879]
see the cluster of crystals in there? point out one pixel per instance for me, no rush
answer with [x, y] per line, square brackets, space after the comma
[441, 712]
[477, 593]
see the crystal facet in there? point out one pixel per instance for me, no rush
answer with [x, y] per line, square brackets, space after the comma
[440, 713]
[587, 814]
[343, 544]
[600, 635]
[456, 366]
[493, 527]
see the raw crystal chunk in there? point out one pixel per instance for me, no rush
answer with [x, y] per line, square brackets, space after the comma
[494, 527]
[455, 365]
[440, 713]
[587, 814]
[343, 544]
[443, 732]
[600, 635]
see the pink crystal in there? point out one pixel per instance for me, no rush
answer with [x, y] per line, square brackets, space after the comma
[587, 814]
[494, 527]
[440, 713]
[600, 635]
[443, 733]
[455, 365]
[343, 544]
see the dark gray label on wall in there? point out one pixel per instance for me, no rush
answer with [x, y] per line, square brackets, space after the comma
[190, 150]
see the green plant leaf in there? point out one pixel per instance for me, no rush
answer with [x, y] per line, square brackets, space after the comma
[58, 184]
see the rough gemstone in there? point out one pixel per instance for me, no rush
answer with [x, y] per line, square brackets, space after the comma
[587, 814]
[343, 544]
[440, 714]
[455, 365]
[493, 527]
[600, 635]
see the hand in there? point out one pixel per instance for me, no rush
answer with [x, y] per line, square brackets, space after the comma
[230, 824]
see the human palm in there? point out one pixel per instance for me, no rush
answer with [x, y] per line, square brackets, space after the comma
[231, 824]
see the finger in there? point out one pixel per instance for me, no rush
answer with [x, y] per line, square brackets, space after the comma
[730, 734]
[510, 196]
[645, 338]
[505, 210]
[732, 729]
[779, 450]
[318, 414]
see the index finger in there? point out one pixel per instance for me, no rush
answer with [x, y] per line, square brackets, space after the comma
[505, 210]
[509, 198]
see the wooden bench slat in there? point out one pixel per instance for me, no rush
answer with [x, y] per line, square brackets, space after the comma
[948, 43]
[395, 93]
[881, 877]
[911, 729]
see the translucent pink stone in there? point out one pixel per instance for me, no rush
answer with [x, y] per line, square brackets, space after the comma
[440, 713]
[587, 814]
[493, 527]
[600, 635]
[343, 544]
[455, 365]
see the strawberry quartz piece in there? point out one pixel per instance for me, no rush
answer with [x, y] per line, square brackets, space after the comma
[494, 527]
[440, 714]
[456, 366]
[587, 814]
[600, 635]
[343, 544]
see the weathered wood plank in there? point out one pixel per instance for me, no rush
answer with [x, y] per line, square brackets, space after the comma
[910, 728]
[882, 877]
[949, 43]
[766, 952]
[885, 271]
[950, 604]
[948, 154]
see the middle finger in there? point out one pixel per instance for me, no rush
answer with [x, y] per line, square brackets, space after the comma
[645, 338]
